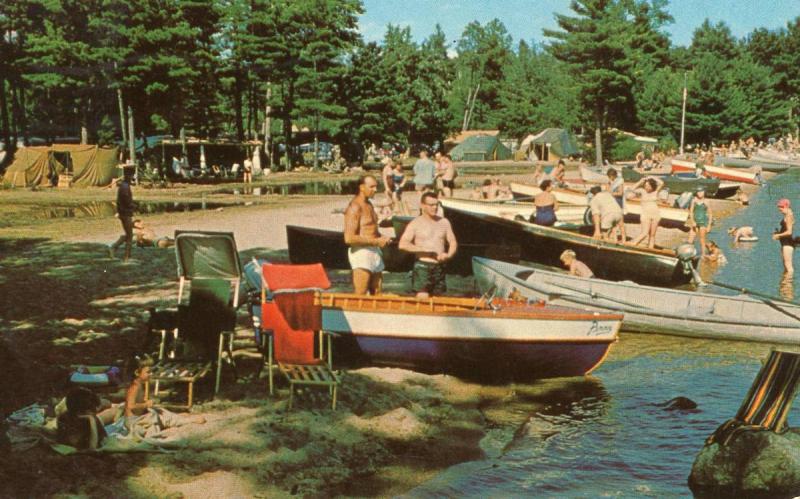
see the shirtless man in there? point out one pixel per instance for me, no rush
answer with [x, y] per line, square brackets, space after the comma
[427, 236]
[361, 234]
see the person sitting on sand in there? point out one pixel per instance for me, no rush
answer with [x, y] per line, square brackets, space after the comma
[146, 237]
[575, 266]
[142, 418]
[83, 424]
[741, 232]
[714, 254]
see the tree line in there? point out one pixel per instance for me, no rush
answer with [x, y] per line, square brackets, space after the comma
[270, 68]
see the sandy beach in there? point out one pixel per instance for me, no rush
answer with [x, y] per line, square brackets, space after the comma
[65, 302]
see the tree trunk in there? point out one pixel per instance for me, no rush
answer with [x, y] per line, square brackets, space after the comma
[288, 101]
[237, 104]
[598, 137]
[316, 148]
[268, 127]
[5, 124]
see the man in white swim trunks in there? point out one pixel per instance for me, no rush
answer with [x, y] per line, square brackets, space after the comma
[361, 234]
[606, 214]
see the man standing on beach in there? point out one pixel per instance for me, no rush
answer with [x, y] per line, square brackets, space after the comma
[424, 172]
[431, 239]
[125, 207]
[361, 234]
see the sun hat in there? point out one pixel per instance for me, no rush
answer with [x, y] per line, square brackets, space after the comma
[784, 203]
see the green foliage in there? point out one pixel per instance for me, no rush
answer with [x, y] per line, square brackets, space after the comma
[536, 93]
[624, 148]
[215, 67]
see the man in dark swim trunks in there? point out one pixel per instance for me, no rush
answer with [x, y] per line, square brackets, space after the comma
[427, 236]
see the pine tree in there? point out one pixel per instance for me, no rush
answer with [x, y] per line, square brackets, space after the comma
[593, 43]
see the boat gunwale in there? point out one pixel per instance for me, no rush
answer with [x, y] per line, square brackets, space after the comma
[422, 307]
[579, 299]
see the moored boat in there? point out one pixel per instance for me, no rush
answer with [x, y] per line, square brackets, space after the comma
[544, 245]
[670, 217]
[763, 163]
[475, 337]
[677, 184]
[649, 309]
[311, 245]
[722, 173]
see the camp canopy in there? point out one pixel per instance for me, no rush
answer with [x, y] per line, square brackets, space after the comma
[90, 165]
[551, 144]
[480, 148]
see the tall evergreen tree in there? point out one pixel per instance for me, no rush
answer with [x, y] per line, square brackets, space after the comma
[537, 92]
[593, 43]
[483, 52]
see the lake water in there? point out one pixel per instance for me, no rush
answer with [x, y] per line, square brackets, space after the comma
[608, 434]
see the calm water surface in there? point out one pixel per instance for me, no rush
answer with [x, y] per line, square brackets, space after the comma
[609, 434]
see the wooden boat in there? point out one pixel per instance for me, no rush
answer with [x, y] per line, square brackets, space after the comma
[474, 337]
[569, 217]
[671, 217]
[762, 163]
[722, 173]
[677, 184]
[593, 175]
[310, 245]
[649, 309]
[544, 245]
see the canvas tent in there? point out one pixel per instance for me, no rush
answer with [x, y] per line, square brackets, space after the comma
[88, 165]
[480, 148]
[551, 144]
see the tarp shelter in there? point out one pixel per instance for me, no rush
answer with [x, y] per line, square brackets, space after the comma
[89, 165]
[480, 148]
[551, 144]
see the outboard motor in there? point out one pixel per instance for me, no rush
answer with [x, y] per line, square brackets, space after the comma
[686, 253]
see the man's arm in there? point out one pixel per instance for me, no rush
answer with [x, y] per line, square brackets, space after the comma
[452, 244]
[352, 217]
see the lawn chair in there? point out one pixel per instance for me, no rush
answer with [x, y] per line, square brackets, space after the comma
[291, 318]
[768, 402]
[210, 263]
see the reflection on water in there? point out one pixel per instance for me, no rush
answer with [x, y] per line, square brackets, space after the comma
[786, 287]
[99, 209]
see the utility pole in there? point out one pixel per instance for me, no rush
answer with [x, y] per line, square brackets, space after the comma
[683, 113]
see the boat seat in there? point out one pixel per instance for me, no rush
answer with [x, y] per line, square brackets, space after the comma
[767, 404]
[291, 320]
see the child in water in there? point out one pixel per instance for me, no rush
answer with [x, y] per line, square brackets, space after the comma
[714, 254]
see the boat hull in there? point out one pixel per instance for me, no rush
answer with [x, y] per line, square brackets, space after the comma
[677, 184]
[309, 245]
[482, 346]
[648, 309]
[545, 245]
[672, 218]
[734, 175]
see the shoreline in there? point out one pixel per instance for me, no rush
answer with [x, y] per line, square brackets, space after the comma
[69, 303]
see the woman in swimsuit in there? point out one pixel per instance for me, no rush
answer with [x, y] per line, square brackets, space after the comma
[651, 216]
[700, 219]
[546, 205]
[785, 236]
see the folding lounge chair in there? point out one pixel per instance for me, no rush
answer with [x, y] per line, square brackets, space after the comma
[768, 402]
[210, 263]
[291, 317]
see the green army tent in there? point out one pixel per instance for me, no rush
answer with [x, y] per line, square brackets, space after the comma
[480, 148]
[550, 144]
[89, 165]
